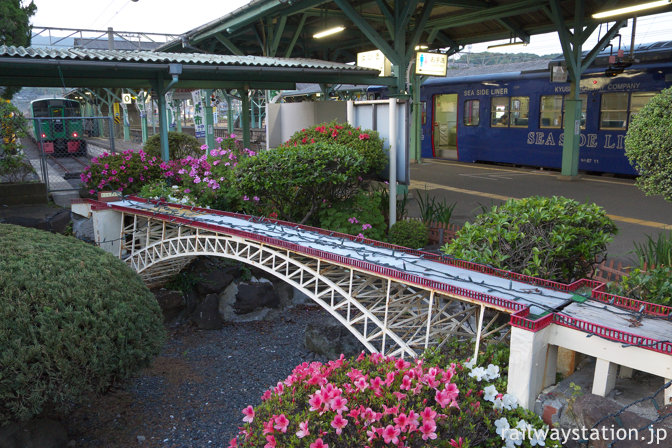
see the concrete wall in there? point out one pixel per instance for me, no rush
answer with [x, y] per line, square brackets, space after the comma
[284, 119]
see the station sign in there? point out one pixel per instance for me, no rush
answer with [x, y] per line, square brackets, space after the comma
[376, 60]
[431, 64]
[126, 98]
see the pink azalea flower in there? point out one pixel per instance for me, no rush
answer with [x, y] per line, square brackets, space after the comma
[303, 430]
[319, 444]
[315, 402]
[338, 423]
[366, 226]
[353, 220]
[428, 414]
[249, 414]
[266, 395]
[401, 421]
[391, 434]
[233, 443]
[427, 430]
[447, 395]
[338, 404]
[268, 427]
[281, 423]
[361, 384]
[271, 441]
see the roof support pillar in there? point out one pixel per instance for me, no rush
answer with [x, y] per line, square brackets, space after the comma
[178, 115]
[572, 42]
[163, 122]
[229, 113]
[245, 116]
[209, 121]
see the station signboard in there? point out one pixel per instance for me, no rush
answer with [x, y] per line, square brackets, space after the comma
[431, 64]
[376, 60]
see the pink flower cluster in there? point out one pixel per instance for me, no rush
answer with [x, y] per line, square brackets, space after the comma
[121, 171]
[342, 397]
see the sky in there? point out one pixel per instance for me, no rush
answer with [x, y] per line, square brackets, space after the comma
[176, 17]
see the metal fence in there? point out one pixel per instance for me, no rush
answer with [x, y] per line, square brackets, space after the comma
[64, 147]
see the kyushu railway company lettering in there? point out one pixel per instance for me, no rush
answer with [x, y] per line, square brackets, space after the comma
[610, 141]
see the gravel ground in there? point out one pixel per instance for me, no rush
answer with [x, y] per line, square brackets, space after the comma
[193, 393]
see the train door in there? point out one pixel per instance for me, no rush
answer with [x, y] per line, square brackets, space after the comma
[444, 129]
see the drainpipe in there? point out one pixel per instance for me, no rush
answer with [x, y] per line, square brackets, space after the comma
[174, 70]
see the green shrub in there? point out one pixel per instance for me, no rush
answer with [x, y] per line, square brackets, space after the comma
[648, 145]
[433, 210]
[367, 143]
[410, 233]
[359, 216]
[13, 168]
[295, 182]
[553, 238]
[180, 145]
[12, 127]
[653, 285]
[73, 320]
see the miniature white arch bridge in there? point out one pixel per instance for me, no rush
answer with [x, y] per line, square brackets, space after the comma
[395, 300]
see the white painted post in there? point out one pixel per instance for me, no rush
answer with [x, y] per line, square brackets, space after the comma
[106, 225]
[625, 372]
[350, 112]
[387, 308]
[668, 392]
[429, 318]
[605, 377]
[393, 160]
[478, 333]
[527, 364]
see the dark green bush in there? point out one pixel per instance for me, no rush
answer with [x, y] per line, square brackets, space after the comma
[648, 145]
[73, 319]
[14, 168]
[180, 145]
[410, 233]
[295, 182]
[12, 127]
[553, 238]
[653, 285]
[360, 216]
[367, 143]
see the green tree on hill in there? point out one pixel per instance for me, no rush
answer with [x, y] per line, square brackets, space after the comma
[15, 29]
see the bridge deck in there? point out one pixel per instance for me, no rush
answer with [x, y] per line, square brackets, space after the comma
[540, 299]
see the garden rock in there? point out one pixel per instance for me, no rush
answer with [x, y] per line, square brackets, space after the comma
[252, 296]
[171, 302]
[330, 339]
[41, 433]
[213, 282]
[82, 228]
[206, 316]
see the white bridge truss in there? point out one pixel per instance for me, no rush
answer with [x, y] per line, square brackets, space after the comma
[385, 314]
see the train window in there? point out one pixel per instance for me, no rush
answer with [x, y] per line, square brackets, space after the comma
[520, 111]
[471, 112]
[551, 111]
[499, 112]
[423, 112]
[639, 100]
[614, 111]
[584, 107]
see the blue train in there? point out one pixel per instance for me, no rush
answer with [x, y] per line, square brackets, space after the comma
[517, 118]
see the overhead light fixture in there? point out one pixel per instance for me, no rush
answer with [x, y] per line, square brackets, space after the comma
[328, 32]
[508, 44]
[421, 47]
[630, 9]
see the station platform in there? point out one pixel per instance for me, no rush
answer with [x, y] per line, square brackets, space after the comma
[476, 187]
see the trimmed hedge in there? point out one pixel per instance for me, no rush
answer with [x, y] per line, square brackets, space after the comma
[553, 238]
[409, 233]
[180, 145]
[73, 320]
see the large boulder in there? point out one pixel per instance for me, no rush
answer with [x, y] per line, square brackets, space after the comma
[254, 295]
[215, 281]
[172, 303]
[331, 338]
[206, 315]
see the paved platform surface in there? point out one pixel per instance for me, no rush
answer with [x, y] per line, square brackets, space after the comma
[475, 186]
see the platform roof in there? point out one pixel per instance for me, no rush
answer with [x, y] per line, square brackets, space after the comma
[142, 69]
[286, 27]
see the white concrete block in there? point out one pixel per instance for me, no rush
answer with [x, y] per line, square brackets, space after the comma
[605, 377]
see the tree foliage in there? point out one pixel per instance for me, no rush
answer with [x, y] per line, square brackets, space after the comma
[648, 145]
[15, 29]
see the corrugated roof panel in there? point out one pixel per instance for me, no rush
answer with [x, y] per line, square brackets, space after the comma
[176, 58]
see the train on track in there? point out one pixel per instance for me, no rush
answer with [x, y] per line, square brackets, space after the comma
[517, 118]
[58, 126]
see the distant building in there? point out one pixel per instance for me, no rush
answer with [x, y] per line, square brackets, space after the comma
[119, 44]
